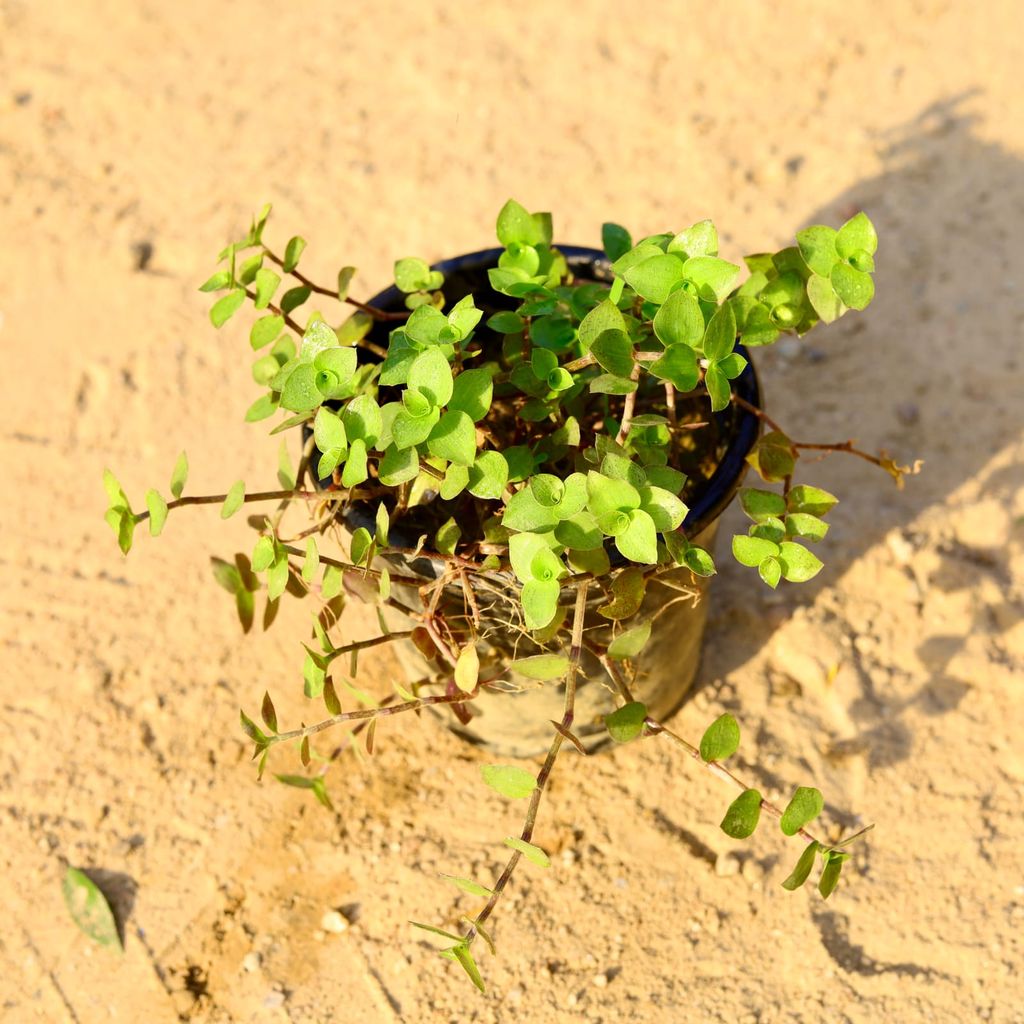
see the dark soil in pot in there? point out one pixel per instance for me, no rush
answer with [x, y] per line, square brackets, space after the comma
[516, 723]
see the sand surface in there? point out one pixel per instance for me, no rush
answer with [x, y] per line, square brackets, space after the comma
[387, 129]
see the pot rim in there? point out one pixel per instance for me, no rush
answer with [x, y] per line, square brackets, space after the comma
[720, 488]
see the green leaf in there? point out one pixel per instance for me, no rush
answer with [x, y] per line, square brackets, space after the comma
[770, 571]
[806, 805]
[285, 471]
[328, 430]
[157, 512]
[89, 908]
[267, 712]
[472, 393]
[818, 248]
[751, 551]
[412, 275]
[488, 475]
[461, 954]
[760, 505]
[233, 501]
[701, 239]
[216, 283]
[226, 574]
[608, 384]
[455, 480]
[718, 387]
[506, 322]
[614, 352]
[293, 298]
[811, 500]
[743, 814]
[605, 316]
[858, 233]
[823, 299]
[292, 252]
[830, 872]
[626, 723]
[468, 885]
[299, 392]
[277, 578]
[854, 288]
[332, 583]
[179, 475]
[720, 337]
[534, 854]
[509, 780]
[454, 438]
[360, 546]
[630, 643]
[540, 602]
[699, 561]
[251, 729]
[266, 284]
[263, 554]
[803, 867]
[516, 225]
[713, 277]
[678, 366]
[541, 666]
[680, 321]
[721, 739]
[774, 457]
[431, 375]
[435, 931]
[655, 277]
[615, 240]
[639, 541]
[265, 330]
[798, 564]
[226, 307]
[664, 508]
[262, 408]
[398, 466]
[311, 563]
[800, 524]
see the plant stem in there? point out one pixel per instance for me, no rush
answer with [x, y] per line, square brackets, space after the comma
[360, 645]
[381, 712]
[377, 314]
[219, 499]
[549, 762]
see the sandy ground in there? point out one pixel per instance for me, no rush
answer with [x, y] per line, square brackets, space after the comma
[395, 128]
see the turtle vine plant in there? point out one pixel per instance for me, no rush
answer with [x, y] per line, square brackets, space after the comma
[556, 433]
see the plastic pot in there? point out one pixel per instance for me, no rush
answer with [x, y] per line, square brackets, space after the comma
[517, 723]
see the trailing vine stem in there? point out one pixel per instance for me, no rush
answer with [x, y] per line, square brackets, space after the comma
[568, 711]
[718, 770]
[377, 314]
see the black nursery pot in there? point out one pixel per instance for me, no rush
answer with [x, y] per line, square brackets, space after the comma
[517, 722]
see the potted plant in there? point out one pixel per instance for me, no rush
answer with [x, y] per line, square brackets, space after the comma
[521, 456]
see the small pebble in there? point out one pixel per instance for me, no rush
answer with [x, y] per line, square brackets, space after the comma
[333, 922]
[251, 962]
[600, 980]
[274, 1000]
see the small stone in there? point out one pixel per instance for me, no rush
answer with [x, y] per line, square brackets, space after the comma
[600, 980]
[726, 865]
[251, 962]
[333, 922]
[274, 1000]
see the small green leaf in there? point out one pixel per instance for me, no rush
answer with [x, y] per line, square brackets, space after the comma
[800, 524]
[398, 466]
[268, 713]
[811, 500]
[630, 643]
[770, 571]
[774, 457]
[717, 384]
[806, 805]
[823, 298]
[679, 321]
[265, 330]
[292, 252]
[627, 594]
[534, 854]
[472, 393]
[216, 283]
[516, 225]
[760, 505]
[655, 277]
[179, 475]
[157, 512]
[233, 501]
[699, 561]
[798, 564]
[461, 954]
[818, 248]
[488, 475]
[720, 337]
[803, 867]
[468, 885]
[277, 578]
[614, 352]
[858, 233]
[540, 602]
[830, 872]
[541, 666]
[701, 239]
[721, 739]
[854, 287]
[311, 563]
[226, 307]
[509, 780]
[615, 240]
[332, 583]
[89, 908]
[752, 551]
[453, 438]
[626, 723]
[435, 931]
[743, 814]
[412, 274]
[227, 575]
[266, 284]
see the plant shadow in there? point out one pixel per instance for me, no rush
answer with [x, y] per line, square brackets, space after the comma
[906, 376]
